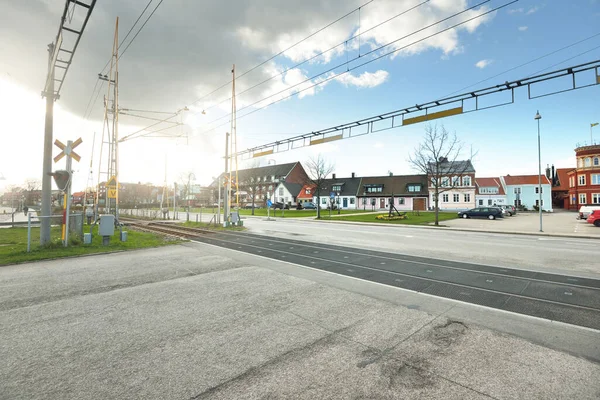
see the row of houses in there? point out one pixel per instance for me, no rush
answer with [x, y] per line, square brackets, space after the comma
[289, 184]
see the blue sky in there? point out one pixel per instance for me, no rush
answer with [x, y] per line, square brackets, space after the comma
[180, 56]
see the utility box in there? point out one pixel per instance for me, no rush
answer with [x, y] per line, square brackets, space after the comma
[107, 225]
[124, 236]
[87, 238]
[235, 217]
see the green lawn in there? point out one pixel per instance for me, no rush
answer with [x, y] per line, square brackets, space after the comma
[13, 244]
[424, 218]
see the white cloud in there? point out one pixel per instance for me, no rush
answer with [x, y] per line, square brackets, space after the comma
[532, 10]
[483, 63]
[523, 28]
[364, 80]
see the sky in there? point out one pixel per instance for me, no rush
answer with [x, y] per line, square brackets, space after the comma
[187, 50]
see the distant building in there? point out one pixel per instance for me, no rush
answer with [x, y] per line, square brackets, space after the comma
[489, 192]
[408, 192]
[457, 184]
[584, 180]
[523, 191]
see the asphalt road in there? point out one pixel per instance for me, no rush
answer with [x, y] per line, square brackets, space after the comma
[563, 298]
[562, 255]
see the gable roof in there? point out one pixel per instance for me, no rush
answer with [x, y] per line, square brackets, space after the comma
[525, 180]
[562, 174]
[350, 186]
[293, 188]
[303, 195]
[454, 167]
[268, 171]
[395, 184]
[489, 182]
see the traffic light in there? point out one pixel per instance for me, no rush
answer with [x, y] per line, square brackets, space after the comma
[61, 178]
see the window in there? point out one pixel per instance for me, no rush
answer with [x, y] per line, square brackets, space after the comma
[596, 198]
[537, 190]
[281, 191]
[517, 203]
[581, 180]
[488, 190]
[490, 201]
[467, 197]
[595, 179]
[323, 200]
[414, 188]
[337, 188]
[573, 200]
[517, 190]
[364, 201]
[587, 162]
[571, 181]
[456, 197]
[579, 163]
[456, 181]
[582, 199]
[596, 161]
[352, 200]
[373, 188]
[537, 202]
[445, 182]
[445, 198]
[401, 200]
[466, 180]
[307, 191]
[480, 202]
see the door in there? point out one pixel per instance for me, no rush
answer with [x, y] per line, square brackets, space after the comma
[382, 203]
[345, 202]
[419, 204]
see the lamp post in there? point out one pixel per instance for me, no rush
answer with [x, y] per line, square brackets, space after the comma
[538, 117]
[591, 137]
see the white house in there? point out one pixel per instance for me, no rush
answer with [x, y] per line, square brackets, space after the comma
[490, 191]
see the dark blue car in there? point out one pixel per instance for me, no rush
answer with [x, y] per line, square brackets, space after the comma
[482, 212]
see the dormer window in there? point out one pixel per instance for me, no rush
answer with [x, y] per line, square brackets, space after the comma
[466, 180]
[307, 191]
[414, 188]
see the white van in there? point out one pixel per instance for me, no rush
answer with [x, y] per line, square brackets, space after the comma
[585, 211]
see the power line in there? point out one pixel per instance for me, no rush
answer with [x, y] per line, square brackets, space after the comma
[565, 60]
[367, 62]
[323, 52]
[527, 63]
[282, 51]
[139, 30]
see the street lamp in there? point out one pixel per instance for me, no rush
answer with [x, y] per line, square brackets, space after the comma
[538, 117]
[591, 137]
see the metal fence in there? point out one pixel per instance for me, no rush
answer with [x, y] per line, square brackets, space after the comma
[75, 224]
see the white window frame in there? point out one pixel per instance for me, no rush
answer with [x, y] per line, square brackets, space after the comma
[596, 161]
[595, 198]
[581, 180]
[445, 198]
[537, 202]
[280, 191]
[517, 190]
[456, 181]
[537, 190]
[597, 179]
[466, 181]
[582, 198]
[587, 162]
[445, 181]
[467, 197]
[456, 198]
[480, 202]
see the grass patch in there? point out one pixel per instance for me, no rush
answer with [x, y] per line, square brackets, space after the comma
[13, 244]
[424, 218]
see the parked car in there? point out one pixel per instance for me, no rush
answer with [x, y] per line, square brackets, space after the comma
[279, 205]
[482, 212]
[585, 211]
[510, 210]
[594, 218]
[248, 206]
[309, 206]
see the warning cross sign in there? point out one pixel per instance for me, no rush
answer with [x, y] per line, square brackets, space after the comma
[112, 193]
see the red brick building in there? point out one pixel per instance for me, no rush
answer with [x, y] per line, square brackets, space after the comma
[584, 180]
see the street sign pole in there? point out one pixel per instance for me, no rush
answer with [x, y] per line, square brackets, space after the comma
[68, 191]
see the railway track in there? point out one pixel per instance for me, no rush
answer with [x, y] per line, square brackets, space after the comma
[166, 228]
[569, 299]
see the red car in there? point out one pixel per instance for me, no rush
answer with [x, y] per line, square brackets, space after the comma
[594, 218]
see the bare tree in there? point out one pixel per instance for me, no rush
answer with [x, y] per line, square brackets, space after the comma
[31, 185]
[317, 170]
[438, 157]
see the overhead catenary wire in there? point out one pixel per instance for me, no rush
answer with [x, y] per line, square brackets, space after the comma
[281, 52]
[565, 60]
[344, 43]
[527, 63]
[365, 63]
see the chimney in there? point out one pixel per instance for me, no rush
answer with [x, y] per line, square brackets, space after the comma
[554, 177]
[332, 176]
[353, 175]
